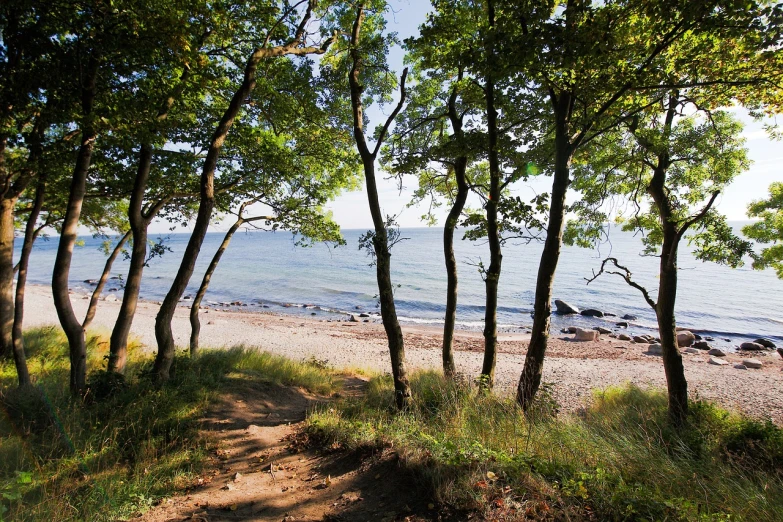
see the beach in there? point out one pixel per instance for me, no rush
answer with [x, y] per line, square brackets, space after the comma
[574, 369]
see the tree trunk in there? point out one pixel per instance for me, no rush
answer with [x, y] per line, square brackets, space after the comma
[676, 383]
[449, 368]
[492, 275]
[163, 334]
[530, 380]
[62, 267]
[195, 324]
[118, 350]
[460, 168]
[380, 240]
[6, 274]
[96, 294]
[24, 260]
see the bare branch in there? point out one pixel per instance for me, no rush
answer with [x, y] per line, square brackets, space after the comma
[626, 274]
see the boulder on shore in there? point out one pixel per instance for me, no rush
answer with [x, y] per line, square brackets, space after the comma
[780, 352]
[592, 312]
[752, 363]
[601, 329]
[629, 317]
[766, 343]
[717, 352]
[718, 362]
[655, 349]
[564, 308]
[624, 337]
[353, 319]
[752, 347]
[585, 335]
[685, 338]
[702, 345]
[640, 339]
[622, 324]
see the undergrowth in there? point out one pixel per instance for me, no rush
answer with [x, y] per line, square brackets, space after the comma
[616, 460]
[129, 442]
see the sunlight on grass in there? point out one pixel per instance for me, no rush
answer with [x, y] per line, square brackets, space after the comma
[130, 442]
[619, 460]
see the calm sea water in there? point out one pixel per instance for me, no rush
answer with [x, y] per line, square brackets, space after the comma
[263, 268]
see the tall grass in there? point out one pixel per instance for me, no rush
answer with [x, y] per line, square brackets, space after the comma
[618, 460]
[129, 442]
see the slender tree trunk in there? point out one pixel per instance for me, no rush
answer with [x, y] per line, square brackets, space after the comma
[24, 260]
[677, 385]
[195, 324]
[6, 274]
[96, 294]
[492, 275]
[380, 240]
[449, 368]
[530, 380]
[460, 168]
[118, 347]
[163, 334]
[62, 264]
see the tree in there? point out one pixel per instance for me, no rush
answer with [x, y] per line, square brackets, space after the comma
[362, 56]
[294, 43]
[679, 164]
[603, 64]
[769, 229]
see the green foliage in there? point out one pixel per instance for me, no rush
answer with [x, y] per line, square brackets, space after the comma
[617, 460]
[768, 230]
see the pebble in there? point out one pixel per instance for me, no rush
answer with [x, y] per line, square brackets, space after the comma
[624, 337]
[655, 349]
[717, 352]
[717, 362]
[740, 367]
[692, 350]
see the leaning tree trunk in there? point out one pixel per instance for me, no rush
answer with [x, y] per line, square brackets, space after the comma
[96, 294]
[24, 260]
[195, 324]
[530, 380]
[460, 168]
[163, 333]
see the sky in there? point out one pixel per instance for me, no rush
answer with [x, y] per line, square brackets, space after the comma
[351, 210]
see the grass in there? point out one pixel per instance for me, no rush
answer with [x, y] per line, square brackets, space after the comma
[130, 442]
[618, 460]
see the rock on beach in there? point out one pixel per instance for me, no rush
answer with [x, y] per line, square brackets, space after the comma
[592, 312]
[752, 347]
[564, 308]
[685, 338]
[585, 335]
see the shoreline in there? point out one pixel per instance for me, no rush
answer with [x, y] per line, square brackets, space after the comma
[573, 369]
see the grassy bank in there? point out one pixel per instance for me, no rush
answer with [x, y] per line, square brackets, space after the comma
[618, 460]
[129, 442]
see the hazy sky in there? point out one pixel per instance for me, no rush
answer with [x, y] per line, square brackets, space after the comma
[351, 211]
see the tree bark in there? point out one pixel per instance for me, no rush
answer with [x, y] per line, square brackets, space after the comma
[163, 333]
[6, 274]
[492, 275]
[460, 168]
[118, 346]
[195, 324]
[62, 264]
[530, 380]
[30, 234]
[96, 294]
[380, 240]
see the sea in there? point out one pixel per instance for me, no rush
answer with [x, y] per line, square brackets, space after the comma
[267, 271]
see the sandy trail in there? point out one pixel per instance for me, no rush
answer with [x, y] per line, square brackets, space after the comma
[574, 369]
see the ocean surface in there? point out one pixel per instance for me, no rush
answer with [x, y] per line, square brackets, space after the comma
[266, 269]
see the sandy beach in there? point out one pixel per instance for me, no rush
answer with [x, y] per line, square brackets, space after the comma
[574, 369]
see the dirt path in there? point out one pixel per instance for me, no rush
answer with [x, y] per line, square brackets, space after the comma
[260, 472]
